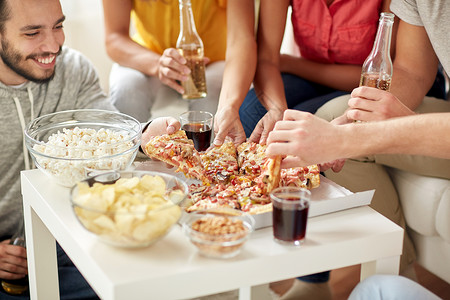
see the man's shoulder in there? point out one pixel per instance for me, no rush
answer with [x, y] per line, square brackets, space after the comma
[70, 56]
[72, 63]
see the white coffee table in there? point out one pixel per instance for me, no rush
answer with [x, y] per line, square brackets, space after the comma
[172, 268]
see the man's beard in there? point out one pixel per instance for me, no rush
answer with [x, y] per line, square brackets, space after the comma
[12, 58]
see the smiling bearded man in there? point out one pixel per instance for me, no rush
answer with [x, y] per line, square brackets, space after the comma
[38, 76]
[12, 58]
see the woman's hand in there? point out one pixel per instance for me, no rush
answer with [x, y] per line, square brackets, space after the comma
[159, 126]
[227, 123]
[265, 125]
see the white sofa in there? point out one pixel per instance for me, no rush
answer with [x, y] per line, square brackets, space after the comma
[426, 205]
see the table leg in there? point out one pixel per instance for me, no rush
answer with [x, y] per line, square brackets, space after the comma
[41, 256]
[388, 265]
[245, 293]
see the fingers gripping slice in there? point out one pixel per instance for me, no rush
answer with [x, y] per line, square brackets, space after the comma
[176, 150]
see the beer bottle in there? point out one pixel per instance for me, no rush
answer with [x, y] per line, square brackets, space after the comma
[190, 45]
[377, 68]
[16, 286]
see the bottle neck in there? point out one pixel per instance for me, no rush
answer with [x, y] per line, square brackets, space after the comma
[382, 43]
[187, 23]
[18, 238]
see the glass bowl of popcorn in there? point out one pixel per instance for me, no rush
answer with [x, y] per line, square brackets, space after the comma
[70, 145]
[129, 208]
[218, 233]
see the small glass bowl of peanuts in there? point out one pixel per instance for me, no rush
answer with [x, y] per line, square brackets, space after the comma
[218, 233]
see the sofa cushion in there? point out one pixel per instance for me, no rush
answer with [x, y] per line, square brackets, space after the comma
[425, 202]
[443, 216]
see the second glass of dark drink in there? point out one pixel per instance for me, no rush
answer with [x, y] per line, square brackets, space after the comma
[198, 128]
[290, 214]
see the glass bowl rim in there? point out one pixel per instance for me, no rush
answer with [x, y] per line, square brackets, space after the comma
[133, 136]
[247, 219]
[185, 190]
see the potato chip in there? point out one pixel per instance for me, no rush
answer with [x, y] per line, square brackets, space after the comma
[132, 210]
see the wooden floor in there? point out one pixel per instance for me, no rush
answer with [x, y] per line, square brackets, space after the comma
[344, 280]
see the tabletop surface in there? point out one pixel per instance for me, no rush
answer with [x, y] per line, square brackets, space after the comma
[334, 240]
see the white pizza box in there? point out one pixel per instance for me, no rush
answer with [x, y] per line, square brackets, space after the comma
[327, 198]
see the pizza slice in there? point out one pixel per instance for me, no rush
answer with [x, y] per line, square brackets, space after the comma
[176, 150]
[251, 158]
[254, 163]
[203, 197]
[270, 175]
[305, 177]
[219, 163]
[238, 194]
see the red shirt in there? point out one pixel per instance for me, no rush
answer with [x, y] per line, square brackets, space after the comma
[342, 33]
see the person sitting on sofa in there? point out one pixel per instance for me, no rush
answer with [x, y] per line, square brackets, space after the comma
[148, 68]
[39, 76]
[421, 45]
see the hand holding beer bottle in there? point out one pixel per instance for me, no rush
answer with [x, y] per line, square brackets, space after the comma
[20, 285]
[377, 68]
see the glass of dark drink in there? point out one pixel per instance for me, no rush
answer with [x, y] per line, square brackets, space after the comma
[198, 128]
[290, 214]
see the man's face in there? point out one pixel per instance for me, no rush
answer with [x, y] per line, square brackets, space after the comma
[31, 40]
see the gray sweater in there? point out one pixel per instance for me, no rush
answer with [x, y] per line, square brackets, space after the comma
[434, 16]
[75, 85]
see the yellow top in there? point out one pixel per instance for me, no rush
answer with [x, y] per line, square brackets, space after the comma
[157, 24]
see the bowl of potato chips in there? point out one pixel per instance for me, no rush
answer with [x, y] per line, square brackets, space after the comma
[129, 208]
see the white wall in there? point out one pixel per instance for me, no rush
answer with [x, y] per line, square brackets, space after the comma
[84, 31]
[288, 46]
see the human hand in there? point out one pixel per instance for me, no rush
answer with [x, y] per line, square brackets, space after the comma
[335, 165]
[227, 123]
[265, 125]
[172, 68]
[159, 126]
[341, 120]
[306, 139]
[371, 104]
[13, 261]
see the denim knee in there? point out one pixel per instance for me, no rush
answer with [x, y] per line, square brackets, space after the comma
[316, 278]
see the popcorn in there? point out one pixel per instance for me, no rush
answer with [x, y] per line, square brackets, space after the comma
[81, 150]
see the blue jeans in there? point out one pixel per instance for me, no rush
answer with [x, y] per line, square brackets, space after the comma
[386, 287]
[72, 285]
[300, 94]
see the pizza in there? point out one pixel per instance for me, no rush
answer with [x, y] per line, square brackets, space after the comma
[251, 157]
[239, 177]
[304, 177]
[178, 151]
[219, 164]
[254, 163]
